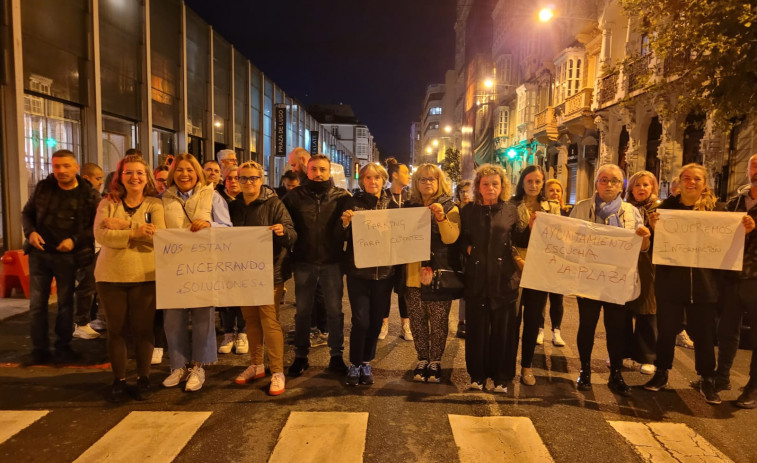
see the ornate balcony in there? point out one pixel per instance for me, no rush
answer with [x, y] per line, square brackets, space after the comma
[608, 88]
[638, 72]
[578, 103]
[543, 118]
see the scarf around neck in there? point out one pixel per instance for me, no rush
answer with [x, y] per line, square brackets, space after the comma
[608, 211]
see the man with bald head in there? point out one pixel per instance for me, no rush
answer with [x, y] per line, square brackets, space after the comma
[298, 161]
[740, 295]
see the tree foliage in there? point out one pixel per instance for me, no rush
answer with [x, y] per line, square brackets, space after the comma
[711, 46]
[451, 164]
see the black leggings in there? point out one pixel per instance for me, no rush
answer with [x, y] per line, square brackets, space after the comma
[131, 304]
[533, 302]
[555, 312]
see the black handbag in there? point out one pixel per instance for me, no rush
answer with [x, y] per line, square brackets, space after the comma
[446, 285]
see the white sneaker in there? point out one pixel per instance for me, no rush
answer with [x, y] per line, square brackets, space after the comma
[85, 332]
[277, 384]
[557, 339]
[406, 334]
[252, 372]
[647, 369]
[474, 386]
[157, 356]
[226, 344]
[500, 389]
[196, 379]
[241, 346]
[98, 324]
[540, 337]
[178, 375]
[683, 340]
[384, 330]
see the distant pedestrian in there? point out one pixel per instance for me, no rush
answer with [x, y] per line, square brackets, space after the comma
[463, 197]
[161, 178]
[212, 172]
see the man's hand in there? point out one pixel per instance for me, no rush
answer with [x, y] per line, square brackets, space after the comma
[277, 229]
[199, 224]
[35, 239]
[66, 245]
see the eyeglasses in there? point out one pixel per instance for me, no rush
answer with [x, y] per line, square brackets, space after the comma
[252, 179]
[610, 181]
[428, 179]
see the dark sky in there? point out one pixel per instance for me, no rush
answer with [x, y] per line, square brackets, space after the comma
[376, 55]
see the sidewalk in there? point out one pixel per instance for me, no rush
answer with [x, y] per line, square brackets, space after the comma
[14, 306]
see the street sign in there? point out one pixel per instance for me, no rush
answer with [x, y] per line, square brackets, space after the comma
[280, 146]
[313, 142]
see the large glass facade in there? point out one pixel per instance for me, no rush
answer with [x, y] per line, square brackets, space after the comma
[198, 76]
[165, 56]
[267, 121]
[118, 136]
[221, 91]
[255, 78]
[121, 31]
[240, 100]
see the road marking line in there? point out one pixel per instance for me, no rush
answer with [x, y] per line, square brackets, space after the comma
[14, 421]
[667, 442]
[146, 436]
[322, 436]
[497, 438]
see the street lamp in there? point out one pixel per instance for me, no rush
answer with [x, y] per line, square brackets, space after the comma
[545, 14]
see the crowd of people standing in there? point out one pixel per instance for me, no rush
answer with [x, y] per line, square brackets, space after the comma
[478, 243]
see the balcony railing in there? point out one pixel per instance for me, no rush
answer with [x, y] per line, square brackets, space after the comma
[674, 64]
[608, 88]
[638, 72]
[578, 103]
[543, 117]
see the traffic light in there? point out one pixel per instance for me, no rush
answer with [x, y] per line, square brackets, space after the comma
[357, 169]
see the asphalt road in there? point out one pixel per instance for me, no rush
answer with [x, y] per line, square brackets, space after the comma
[393, 420]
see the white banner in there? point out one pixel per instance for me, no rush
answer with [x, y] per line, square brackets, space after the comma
[391, 236]
[699, 239]
[221, 267]
[571, 256]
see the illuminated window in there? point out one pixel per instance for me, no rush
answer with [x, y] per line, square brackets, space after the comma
[435, 111]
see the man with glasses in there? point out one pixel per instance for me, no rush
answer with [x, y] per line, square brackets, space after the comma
[226, 158]
[315, 207]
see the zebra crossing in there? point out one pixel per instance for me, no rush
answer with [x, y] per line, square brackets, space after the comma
[335, 437]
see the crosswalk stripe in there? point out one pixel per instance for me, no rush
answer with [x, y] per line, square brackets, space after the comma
[146, 436]
[667, 442]
[322, 436]
[497, 438]
[13, 421]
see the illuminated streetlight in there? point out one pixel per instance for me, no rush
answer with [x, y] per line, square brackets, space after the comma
[447, 128]
[428, 150]
[435, 142]
[545, 14]
[488, 83]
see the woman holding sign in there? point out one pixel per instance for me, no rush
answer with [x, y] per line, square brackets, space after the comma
[125, 271]
[369, 289]
[529, 198]
[490, 229]
[259, 206]
[694, 291]
[606, 207]
[432, 285]
[189, 203]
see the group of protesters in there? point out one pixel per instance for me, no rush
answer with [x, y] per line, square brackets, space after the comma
[478, 242]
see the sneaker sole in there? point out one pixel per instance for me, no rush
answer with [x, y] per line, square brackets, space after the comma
[419, 378]
[275, 393]
[655, 389]
[557, 344]
[747, 405]
[248, 380]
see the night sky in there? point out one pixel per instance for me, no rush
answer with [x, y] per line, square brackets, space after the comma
[376, 55]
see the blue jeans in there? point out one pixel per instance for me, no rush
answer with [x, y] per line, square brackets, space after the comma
[306, 278]
[43, 267]
[202, 347]
[369, 300]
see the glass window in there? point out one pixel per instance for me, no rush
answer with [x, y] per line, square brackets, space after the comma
[165, 56]
[503, 121]
[267, 116]
[221, 87]
[198, 50]
[118, 136]
[240, 97]
[435, 110]
[255, 110]
[163, 144]
[121, 57]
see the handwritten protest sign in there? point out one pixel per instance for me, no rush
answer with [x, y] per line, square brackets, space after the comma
[391, 236]
[571, 256]
[699, 239]
[219, 267]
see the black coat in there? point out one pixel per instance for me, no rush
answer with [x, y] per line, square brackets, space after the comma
[363, 202]
[316, 216]
[749, 269]
[491, 232]
[267, 210]
[686, 284]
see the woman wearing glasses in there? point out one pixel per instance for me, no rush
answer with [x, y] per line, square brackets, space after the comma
[257, 206]
[428, 300]
[606, 207]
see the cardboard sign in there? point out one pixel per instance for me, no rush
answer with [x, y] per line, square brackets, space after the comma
[391, 236]
[699, 239]
[221, 267]
[571, 256]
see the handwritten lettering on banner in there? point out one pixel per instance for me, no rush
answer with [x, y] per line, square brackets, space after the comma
[221, 267]
[571, 256]
[391, 236]
[699, 239]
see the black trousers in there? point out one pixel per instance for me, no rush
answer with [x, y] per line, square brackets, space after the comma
[640, 337]
[588, 317]
[533, 303]
[368, 300]
[556, 311]
[700, 320]
[738, 296]
[488, 347]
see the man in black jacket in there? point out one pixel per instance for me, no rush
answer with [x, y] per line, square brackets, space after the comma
[316, 207]
[57, 221]
[740, 295]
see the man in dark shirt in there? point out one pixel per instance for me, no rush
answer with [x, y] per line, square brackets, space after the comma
[58, 221]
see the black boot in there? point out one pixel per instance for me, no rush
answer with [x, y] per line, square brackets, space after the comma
[118, 391]
[617, 384]
[658, 381]
[584, 377]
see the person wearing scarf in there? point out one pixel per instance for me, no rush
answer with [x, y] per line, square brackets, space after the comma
[606, 207]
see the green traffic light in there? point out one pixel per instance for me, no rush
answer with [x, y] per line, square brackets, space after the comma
[51, 142]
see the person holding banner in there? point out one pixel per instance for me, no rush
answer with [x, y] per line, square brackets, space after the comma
[125, 271]
[606, 207]
[695, 291]
[258, 206]
[432, 285]
[490, 229]
[369, 289]
[189, 202]
[399, 175]
[529, 198]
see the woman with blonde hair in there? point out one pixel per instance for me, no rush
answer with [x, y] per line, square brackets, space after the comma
[490, 229]
[693, 291]
[432, 285]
